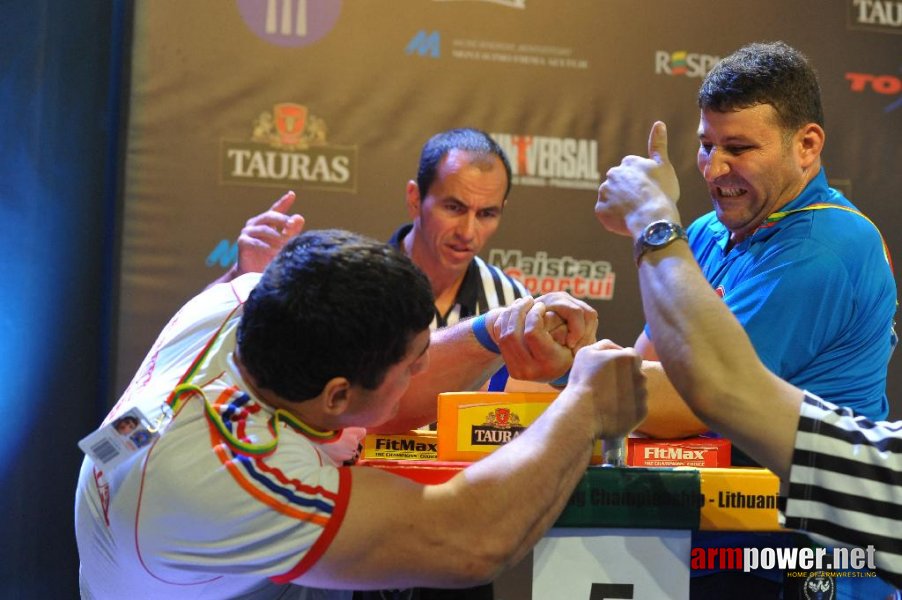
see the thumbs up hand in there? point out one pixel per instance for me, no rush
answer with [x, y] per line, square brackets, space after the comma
[640, 190]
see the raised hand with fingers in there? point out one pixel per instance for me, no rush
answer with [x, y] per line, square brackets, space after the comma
[640, 190]
[265, 234]
[262, 237]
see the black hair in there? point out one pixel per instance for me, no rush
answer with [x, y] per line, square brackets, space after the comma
[765, 73]
[332, 304]
[464, 138]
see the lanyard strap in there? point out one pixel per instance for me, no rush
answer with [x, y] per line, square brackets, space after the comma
[779, 216]
[175, 399]
[185, 390]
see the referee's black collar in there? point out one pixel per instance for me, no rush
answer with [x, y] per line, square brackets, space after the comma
[467, 294]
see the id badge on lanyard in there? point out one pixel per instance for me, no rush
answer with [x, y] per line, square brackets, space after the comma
[122, 438]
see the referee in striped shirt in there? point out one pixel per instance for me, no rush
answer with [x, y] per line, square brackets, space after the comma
[455, 205]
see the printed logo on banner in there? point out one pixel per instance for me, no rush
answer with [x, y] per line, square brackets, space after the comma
[541, 274]
[425, 44]
[809, 573]
[884, 16]
[684, 64]
[541, 161]
[819, 586]
[290, 22]
[508, 3]
[224, 254]
[886, 85]
[288, 146]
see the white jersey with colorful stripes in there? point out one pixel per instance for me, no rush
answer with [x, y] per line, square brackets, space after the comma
[219, 506]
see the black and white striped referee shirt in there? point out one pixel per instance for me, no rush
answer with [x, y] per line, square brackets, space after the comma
[846, 483]
[484, 287]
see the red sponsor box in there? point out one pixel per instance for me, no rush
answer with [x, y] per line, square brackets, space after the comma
[687, 452]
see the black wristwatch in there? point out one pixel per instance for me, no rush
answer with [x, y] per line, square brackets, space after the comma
[657, 235]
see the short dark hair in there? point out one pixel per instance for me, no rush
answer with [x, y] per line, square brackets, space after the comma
[332, 304]
[463, 138]
[126, 419]
[765, 73]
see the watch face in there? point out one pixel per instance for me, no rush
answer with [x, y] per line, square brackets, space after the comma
[659, 233]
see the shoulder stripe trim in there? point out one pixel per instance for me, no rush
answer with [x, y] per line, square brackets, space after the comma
[325, 538]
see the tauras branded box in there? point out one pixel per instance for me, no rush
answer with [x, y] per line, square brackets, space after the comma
[472, 425]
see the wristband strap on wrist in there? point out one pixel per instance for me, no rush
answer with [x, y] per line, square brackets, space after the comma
[482, 335]
[498, 381]
[561, 382]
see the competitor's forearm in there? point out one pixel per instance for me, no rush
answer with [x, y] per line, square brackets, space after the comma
[711, 362]
[528, 480]
[467, 530]
[457, 362]
[486, 517]
[668, 415]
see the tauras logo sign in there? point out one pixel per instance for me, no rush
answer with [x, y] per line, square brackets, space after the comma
[876, 15]
[501, 426]
[288, 146]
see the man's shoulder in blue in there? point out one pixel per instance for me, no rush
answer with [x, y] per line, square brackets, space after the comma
[814, 291]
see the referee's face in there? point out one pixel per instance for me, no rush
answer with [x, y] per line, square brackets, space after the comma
[460, 213]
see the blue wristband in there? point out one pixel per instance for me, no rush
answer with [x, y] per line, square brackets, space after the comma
[561, 381]
[498, 381]
[482, 335]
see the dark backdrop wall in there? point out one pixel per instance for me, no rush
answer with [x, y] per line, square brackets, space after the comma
[58, 124]
[231, 103]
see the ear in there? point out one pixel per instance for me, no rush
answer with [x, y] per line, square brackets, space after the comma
[810, 144]
[413, 200]
[336, 396]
